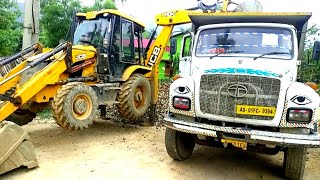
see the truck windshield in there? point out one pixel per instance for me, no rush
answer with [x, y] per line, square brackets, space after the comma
[250, 41]
[91, 31]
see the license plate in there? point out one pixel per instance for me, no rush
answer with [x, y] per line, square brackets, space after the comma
[239, 144]
[256, 110]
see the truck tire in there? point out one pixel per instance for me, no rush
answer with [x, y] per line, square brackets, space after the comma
[21, 117]
[75, 106]
[179, 145]
[134, 97]
[294, 162]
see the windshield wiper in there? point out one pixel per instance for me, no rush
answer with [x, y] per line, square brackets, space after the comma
[226, 52]
[269, 53]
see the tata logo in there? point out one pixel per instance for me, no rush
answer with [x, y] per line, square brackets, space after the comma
[237, 90]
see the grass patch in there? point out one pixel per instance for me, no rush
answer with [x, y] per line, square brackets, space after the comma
[45, 114]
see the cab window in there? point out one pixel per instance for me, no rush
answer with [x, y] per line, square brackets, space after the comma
[127, 41]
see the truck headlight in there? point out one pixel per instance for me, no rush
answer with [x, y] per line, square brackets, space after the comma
[299, 115]
[181, 103]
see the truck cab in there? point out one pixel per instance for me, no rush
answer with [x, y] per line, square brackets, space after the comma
[239, 89]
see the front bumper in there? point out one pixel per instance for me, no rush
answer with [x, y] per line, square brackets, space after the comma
[251, 135]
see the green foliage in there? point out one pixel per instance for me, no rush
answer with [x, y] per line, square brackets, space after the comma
[310, 73]
[100, 4]
[312, 34]
[147, 34]
[56, 20]
[45, 114]
[10, 29]
[310, 69]
[57, 15]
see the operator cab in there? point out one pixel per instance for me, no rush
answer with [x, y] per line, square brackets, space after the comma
[116, 37]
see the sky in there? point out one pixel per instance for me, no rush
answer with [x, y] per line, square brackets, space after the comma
[145, 10]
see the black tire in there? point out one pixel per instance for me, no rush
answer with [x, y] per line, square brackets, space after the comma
[294, 162]
[134, 97]
[21, 117]
[179, 145]
[66, 106]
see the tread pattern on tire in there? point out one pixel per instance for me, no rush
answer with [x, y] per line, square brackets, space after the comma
[294, 162]
[63, 115]
[179, 145]
[125, 106]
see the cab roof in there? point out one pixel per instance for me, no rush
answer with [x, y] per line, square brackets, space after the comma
[94, 14]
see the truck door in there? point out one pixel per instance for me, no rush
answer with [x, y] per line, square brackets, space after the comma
[185, 56]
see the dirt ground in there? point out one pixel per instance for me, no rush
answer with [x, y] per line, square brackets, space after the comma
[108, 150]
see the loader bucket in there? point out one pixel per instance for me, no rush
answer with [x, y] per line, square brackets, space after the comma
[15, 148]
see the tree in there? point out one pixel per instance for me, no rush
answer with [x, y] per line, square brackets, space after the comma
[56, 16]
[101, 4]
[10, 29]
[148, 33]
[309, 69]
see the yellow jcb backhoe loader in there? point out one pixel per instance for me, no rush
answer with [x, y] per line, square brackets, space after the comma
[104, 65]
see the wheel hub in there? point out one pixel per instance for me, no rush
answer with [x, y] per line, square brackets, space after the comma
[138, 96]
[80, 106]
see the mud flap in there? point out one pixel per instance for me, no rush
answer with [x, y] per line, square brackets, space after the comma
[15, 148]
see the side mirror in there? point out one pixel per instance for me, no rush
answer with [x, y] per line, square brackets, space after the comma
[316, 51]
[173, 46]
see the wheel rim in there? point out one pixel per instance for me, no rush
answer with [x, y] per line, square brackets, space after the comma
[82, 106]
[139, 96]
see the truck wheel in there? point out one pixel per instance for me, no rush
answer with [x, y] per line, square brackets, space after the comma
[21, 117]
[134, 97]
[75, 106]
[179, 145]
[294, 162]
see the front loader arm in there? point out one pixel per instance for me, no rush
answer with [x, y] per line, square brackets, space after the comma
[49, 75]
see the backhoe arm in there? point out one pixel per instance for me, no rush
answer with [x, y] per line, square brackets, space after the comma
[168, 20]
[154, 54]
[49, 75]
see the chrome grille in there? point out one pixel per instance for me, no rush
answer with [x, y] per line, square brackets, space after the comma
[216, 99]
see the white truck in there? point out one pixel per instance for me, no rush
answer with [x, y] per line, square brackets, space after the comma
[238, 88]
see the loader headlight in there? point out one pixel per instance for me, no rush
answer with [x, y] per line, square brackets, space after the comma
[299, 115]
[181, 103]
